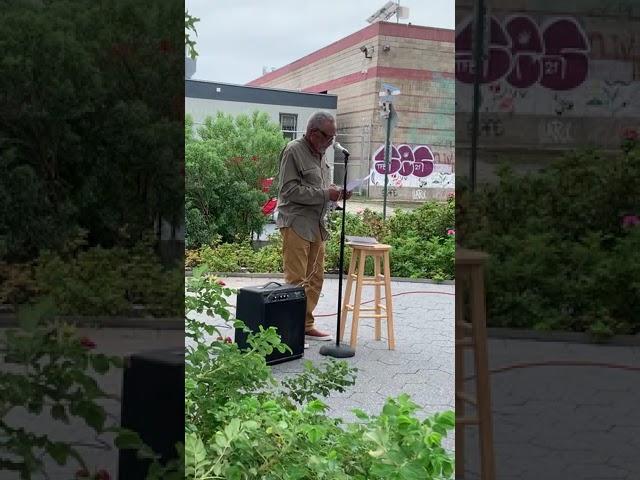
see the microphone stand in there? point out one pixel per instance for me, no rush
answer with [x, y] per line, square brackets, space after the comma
[337, 350]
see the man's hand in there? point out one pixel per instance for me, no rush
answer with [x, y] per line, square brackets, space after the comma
[334, 193]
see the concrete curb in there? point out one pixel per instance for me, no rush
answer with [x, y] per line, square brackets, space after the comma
[9, 320]
[561, 336]
[326, 275]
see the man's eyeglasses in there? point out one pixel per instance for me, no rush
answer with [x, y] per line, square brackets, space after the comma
[326, 136]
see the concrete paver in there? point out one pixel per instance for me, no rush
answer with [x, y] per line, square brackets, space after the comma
[421, 365]
[561, 422]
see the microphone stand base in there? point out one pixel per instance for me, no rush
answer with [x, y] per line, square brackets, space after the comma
[337, 351]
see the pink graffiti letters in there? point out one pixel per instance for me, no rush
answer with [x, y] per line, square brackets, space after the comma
[553, 55]
[498, 56]
[406, 161]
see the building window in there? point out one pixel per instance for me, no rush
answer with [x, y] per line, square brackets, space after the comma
[289, 125]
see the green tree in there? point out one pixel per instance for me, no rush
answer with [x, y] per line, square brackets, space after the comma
[225, 162]
[89, 136]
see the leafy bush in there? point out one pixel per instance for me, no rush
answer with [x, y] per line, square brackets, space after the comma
[17, 283]
[422, 241]
[52, 371]
[225, 163]
[127, 277]
[242, 423]
[415, 257]
[233, 257]
[561, 256]
[82, 145]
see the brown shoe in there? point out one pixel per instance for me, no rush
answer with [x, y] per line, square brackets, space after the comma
[315, 334]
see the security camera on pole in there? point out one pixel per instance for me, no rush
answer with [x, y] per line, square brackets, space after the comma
[388, 112]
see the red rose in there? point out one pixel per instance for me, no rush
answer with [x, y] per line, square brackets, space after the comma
[102, 475]
[630, 134]
[228, 340]
[220, 282]
[87, 343]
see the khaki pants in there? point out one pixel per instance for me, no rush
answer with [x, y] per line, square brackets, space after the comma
[304, 262]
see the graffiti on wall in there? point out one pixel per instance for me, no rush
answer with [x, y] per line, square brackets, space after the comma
[595, 98]
[555, 66]
[488, 127]
[411, 166]
[555, 132]
[553, 55]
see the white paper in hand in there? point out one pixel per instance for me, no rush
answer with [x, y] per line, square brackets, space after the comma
[353, 184]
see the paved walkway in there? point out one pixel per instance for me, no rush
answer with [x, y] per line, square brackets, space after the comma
[562, 422]
[112, 341]
[422, 364]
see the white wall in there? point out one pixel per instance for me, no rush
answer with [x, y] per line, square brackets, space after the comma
[200, 109]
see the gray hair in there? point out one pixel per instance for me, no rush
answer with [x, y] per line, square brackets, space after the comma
[318, 119]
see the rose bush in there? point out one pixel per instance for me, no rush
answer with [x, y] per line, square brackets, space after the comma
[242, 423]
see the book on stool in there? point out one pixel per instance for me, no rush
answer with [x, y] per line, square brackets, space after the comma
[353, 240]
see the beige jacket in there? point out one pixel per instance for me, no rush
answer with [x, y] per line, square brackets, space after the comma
[303, 198]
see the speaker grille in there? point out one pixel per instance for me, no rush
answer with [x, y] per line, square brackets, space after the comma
[275, 305]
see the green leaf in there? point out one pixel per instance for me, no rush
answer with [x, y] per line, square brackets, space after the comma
[29, 316]
[232, 430]
[58, 413]
[316, 406]
[376, 436]
[221, 440]
[413, 471]
[195, 456]
[433, 439]
[128, 439]
[447, 419]
[100, 363]
[59, 452]
[361, 414]
[93, 414]
[314, 435]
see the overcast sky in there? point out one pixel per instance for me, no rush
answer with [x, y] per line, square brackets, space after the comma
[236, 38]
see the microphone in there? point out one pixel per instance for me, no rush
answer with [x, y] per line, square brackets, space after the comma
[340, 148]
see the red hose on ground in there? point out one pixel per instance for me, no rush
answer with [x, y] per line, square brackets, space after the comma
[382, 298]
[560, 363]
[515, 366]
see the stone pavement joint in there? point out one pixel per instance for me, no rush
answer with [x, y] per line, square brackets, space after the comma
[424, 341]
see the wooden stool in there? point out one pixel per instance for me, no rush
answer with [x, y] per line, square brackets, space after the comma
[472, 333]
[359, 254]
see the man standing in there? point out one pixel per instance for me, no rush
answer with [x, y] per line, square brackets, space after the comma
[303, 201]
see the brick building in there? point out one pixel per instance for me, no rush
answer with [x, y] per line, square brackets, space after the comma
[559, 76]
[420, 62]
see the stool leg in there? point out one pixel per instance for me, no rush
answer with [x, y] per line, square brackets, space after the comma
[389, 302]
[459, 354]
[478, 321]
[376, 272]
[358, 299]
[347, 293]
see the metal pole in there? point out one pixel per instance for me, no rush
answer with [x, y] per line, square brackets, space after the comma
[387, 148]
[341, 259]
[478, 39]
[337, 350]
